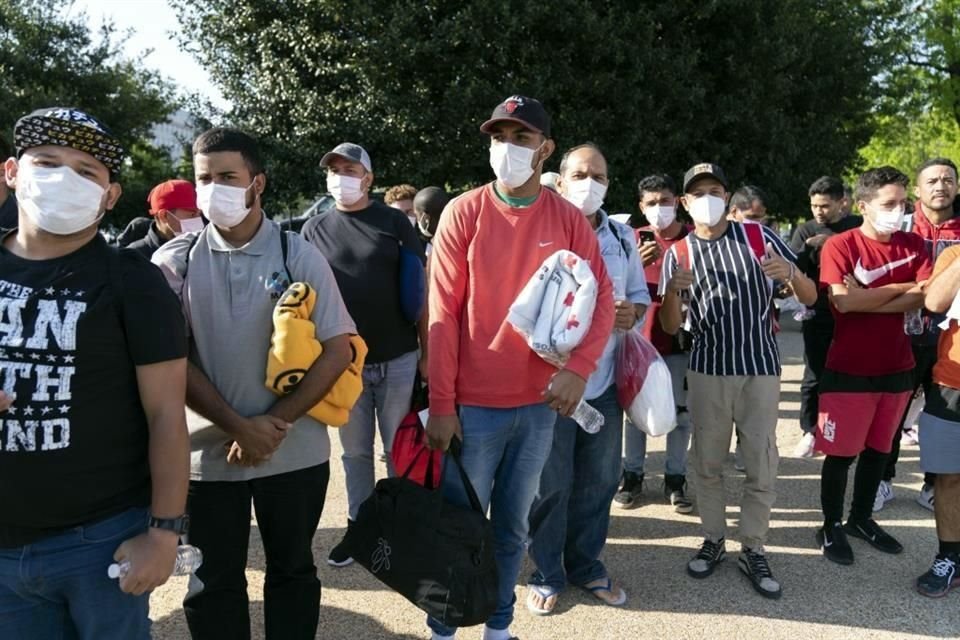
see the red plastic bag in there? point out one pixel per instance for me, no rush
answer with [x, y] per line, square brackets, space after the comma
[644, 385]
[410, 455]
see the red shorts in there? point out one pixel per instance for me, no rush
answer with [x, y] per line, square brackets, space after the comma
[850, 421]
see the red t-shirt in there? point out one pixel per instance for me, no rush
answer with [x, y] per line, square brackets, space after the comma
[872, 344]
[652, 330]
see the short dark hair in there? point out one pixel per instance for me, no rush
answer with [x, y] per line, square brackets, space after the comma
[937, 162]
[6, 149]
[827, 186]
[585, 145]
[875, 179]
[746, 195]
[656, 182]
[430, 201]
[228, 139]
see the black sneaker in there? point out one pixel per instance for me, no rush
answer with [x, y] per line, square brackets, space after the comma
[870, 531]
[674, 487]
[753, 564]
[833, 542]
[630, 491]
[710, 555]
[339, 557]
[941, 578]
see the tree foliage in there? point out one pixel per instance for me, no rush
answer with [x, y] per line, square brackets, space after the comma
[777, 92]
[50, 59]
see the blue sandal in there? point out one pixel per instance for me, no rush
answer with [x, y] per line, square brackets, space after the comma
[608, 587]
[544, 591]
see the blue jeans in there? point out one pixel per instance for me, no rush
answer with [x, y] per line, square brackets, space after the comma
[571, 514]
[58, 589]
[385, 402]
[678, 440]
[504, 451]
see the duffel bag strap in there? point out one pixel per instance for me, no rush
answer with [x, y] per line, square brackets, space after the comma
[455, 451]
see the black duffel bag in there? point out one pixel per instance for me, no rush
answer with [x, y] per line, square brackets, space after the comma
[437, 555]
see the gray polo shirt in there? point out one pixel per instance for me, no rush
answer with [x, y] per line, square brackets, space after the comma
[228, 301]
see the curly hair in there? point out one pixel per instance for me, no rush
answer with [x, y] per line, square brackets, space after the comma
[400, 192]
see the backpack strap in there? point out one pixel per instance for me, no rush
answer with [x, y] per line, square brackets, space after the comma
[284, 244]
[616, 234]
[755, 239]
[684, 253]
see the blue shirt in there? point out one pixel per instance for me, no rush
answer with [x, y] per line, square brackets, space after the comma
[622, 260]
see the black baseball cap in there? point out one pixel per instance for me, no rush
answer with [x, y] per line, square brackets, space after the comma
[69, 127]
[523, 110]
[704, 170]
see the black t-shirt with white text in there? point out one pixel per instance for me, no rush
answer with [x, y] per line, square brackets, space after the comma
[74, 445]
[363, 249]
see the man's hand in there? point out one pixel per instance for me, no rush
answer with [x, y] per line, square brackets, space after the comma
[236, 455]
[151, 556]
[817, 240]
[260, 436]
[775, 266]
[626, 315]
[565, 392]
[649, 252]
[851, 283]
[681, 280]
[440, 431]
[6, 401]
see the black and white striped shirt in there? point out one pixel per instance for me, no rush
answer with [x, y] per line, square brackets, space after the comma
[730, 312]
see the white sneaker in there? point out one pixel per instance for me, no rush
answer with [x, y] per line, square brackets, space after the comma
[925, 499]
[804, 448]
[909, 438]
[884, 495]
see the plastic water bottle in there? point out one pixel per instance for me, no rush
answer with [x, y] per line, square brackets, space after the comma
[189, 559]
[913, 323]
[589, 419]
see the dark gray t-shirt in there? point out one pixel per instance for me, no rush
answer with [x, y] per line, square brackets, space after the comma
[363, 249]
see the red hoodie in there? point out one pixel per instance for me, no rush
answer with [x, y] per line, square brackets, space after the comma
[938, 237]
[483, 255]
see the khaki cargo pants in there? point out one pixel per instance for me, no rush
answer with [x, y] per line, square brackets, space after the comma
[715, 404]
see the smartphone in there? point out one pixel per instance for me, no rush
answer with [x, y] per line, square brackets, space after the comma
[647, 236]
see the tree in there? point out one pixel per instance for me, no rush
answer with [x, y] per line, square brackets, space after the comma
[47, 59]
[778, 93]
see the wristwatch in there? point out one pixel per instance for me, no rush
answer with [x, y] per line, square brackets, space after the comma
[179, 526]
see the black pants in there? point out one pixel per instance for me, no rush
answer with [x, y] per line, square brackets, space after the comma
[817, 335]
[925, 357]
[288, 508]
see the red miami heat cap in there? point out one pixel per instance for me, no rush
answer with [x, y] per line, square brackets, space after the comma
[172, 194]
[523, 110]
[69, 127]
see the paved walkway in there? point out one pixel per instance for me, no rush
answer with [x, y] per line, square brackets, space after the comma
[647, 552]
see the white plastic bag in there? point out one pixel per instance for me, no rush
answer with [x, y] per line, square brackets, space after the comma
[644, 385]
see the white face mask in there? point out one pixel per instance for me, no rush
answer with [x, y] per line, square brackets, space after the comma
[512, 164]
[586, 194]
[223, 205]
[346, 190]
[707, 210]
[660, 216]
[58, 200]
[189, 225]
[887, 221]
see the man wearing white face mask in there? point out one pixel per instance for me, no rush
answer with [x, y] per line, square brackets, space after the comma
[658, 203]
[93, 439]
[873, 275]
[571, 515]
[246, 444]
[363, 239]
[173, 205]
[486, 385]
[719, 283]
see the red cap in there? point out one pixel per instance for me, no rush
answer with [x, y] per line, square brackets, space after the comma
[172, 194]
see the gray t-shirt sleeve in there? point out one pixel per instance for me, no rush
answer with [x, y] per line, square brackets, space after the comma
[330, 314]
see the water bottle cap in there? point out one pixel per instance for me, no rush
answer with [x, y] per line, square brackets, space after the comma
[113, 571]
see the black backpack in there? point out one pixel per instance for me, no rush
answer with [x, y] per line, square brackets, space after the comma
[437, 555]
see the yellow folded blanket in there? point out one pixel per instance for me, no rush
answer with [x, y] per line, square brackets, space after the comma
[294, 348]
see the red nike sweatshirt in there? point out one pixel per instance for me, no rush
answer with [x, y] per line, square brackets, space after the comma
[484, 253]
